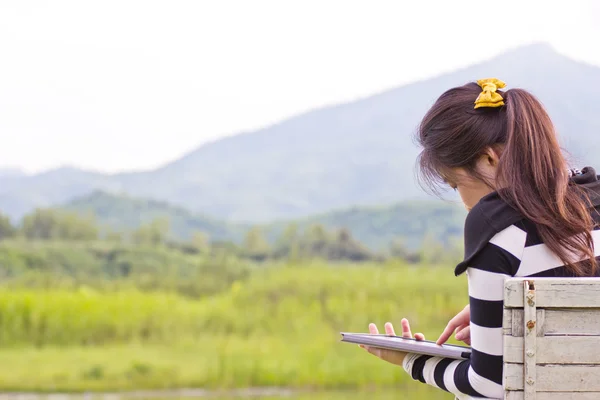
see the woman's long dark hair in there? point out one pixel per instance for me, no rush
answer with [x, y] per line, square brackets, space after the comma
[532, 170]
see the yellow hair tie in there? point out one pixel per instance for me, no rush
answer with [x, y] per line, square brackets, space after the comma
[488, 97]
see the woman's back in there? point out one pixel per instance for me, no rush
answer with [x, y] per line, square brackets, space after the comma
[529, 216]
[493, 221]
[499, 243]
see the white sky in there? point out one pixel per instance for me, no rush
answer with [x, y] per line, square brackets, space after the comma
[129, 85]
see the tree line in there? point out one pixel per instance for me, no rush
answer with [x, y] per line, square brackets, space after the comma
[293, 244]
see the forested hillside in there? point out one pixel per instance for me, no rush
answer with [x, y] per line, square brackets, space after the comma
[376, 227]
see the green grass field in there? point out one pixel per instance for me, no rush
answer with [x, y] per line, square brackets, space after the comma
[278, 328]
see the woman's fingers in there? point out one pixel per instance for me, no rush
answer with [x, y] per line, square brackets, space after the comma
[406, 328]
[464, 333]
[460, 319]
[455, 325]
[373, 350]
[394, 357]
[389, 329]
[373, 329]
[448, 331]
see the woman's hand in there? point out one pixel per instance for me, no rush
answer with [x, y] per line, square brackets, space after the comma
[461, 325]
[391, 356]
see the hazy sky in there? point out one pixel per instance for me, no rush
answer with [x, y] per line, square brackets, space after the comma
[127, 84]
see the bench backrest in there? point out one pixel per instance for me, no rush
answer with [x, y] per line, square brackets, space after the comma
[552, 338]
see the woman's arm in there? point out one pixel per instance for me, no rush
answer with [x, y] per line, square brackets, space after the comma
[481, 376]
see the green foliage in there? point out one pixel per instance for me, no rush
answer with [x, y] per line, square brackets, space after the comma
[317, 233]
[256, 245]
[7, 230]
[143, 311]
[122, 213]
[201, 242]
[399, 250]
[88, 317]
[125, 310]
[195, 365]
[376, 227]
[153, 233]
[317, 242]
[114, 237]
[102, 265]
[58, 224]
[278, 328]
[293, 241]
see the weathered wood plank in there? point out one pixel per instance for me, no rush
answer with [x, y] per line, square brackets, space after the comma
[558, 322]
[514, 395]
[563, 337]
[507, 327]
[530, 322]
[555, 378]
[556, 350]
[555, 292]
[518, 322]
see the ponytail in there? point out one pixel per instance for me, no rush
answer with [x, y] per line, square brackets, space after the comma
[532, 174]
[534, 179]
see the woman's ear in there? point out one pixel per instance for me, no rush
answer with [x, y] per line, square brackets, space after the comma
[491, 157]
[487, 164]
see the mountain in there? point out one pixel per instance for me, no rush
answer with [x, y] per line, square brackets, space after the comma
[374, 226]
[378, 226]
[123, 212]
[359, 153]
[11, 173]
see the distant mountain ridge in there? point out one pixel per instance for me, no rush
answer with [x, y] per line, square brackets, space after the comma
[11, 173]
[358, 153]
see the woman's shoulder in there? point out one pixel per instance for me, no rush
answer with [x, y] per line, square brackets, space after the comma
[491, 213]
[494, 221]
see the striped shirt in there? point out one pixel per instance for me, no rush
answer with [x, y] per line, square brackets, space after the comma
[499, 243]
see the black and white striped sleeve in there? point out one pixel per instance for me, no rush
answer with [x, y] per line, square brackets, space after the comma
[481, 376]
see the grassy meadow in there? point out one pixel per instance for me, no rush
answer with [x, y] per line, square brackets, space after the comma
[85, 309]
[279, 327]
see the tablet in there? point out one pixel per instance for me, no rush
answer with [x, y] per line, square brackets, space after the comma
[408, 345]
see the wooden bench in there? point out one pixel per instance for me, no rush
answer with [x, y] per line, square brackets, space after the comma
[552, 339]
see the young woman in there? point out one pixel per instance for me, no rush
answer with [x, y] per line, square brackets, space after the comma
[528, 216]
